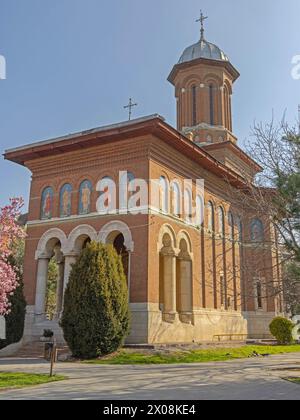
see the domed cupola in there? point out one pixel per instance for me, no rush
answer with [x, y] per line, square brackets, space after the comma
[203, 80]
[203, 49]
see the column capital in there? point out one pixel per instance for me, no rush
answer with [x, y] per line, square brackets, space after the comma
[71, 255]
[42, 256]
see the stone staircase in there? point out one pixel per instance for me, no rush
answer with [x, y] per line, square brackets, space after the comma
[35, 350]
[37, 329]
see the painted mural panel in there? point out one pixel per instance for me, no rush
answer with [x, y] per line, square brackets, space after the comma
[66, 201]
[85, 194]
[257, 231]
[47, 203]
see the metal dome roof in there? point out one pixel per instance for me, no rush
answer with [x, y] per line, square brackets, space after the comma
[203, 49]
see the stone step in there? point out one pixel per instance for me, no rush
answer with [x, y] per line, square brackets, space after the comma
[38, 330]
[35, 350]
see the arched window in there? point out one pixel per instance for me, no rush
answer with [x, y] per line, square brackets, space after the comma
[108, 188]
[47, 203]
[239, 225]
[231, 226]
[176, 199]
[210, 217]
[221, 221]
[259, 297]
[194, 105]
[188, 205]
[126, 181]
[199, 211]
[164, 194]
[211, 104]
[85, 194]
[257, 231]
[65, 201]
[226, 99]
[222, 289]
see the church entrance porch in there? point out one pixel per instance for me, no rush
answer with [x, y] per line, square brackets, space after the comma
[55, 254]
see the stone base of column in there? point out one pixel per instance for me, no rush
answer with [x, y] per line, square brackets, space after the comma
[57, 316]
[169, 317]
[186, 317]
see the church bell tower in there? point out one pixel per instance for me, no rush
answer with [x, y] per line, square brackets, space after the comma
[203, 80]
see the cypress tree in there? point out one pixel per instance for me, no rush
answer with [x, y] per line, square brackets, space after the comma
[95, 319]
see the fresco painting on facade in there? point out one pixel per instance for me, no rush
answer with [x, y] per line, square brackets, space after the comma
[85, 193]
[47, 203]
[257, 231]
[66, 200]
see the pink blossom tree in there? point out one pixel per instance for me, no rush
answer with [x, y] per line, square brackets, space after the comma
[10, 232]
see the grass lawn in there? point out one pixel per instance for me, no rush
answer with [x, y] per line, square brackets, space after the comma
[127, 357]
[20, 380]
[295, 380]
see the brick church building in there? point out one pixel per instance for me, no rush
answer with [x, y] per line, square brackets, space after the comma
[189, 280]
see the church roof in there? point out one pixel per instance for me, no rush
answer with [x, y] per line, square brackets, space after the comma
[203, 49]
[152, 125]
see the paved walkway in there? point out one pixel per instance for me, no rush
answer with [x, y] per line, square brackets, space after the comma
[249, 379]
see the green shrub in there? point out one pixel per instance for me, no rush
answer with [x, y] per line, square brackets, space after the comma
[95, 319]
[281, 329]
[16, 318]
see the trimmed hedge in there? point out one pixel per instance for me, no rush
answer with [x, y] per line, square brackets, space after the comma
[281, 329]
[95, 319]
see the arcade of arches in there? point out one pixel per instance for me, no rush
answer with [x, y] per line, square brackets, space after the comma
[55, 255]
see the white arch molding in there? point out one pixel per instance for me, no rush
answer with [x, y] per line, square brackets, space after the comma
[118, 227]
[51, 234]
[166, 230]
[80, 231]
[183, 235]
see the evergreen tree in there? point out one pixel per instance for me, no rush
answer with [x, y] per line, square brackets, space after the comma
[95, 320]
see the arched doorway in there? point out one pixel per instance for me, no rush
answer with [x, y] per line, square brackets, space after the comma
[50, 256]
[118, 241]
[54, 287]
[118, 234]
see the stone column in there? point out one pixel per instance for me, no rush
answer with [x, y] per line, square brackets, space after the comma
[60, 289]
[69, 260]
[186, 288]
[41, 287]
[169, 288]
[2, 328]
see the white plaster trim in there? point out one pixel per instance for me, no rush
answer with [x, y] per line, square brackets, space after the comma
[166, 230]
[54, 233]
[117, 226]
[76, 233]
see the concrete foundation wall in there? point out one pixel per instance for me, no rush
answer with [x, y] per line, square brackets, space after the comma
[258, 323]
[148, 325]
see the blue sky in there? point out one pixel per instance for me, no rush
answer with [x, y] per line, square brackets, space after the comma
[73, 64]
